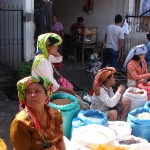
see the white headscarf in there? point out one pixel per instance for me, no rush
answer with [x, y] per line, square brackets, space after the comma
[140, 49]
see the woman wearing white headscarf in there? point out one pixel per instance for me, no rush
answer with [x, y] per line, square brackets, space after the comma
[136, 66]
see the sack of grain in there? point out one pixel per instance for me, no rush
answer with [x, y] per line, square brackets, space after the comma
[130, 142]
[63, 101]
[121, 128]
[69, 107]
[140, 126]
[87, 117]
[93, 135]
[147, 105]
[143, 116]
[138, 97]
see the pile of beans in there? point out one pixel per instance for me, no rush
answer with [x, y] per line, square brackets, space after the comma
[133, 92]
[61, 101]
[129, 142]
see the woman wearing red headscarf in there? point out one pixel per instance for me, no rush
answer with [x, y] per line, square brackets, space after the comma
[105, 100]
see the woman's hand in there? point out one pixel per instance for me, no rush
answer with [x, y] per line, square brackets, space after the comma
[53, 50]
[121, 89]
[144, 81]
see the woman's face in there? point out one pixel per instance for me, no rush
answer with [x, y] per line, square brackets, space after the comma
[51, 49]
[142, 56]
[54, 19]
[111, 80]
[35, 95]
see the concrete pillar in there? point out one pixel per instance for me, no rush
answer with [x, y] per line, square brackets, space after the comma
[28, 29]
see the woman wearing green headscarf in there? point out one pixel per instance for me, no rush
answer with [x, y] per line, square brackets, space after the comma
[47, 54]
[37, 126]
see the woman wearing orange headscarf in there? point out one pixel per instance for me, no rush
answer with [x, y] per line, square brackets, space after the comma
[105, 100]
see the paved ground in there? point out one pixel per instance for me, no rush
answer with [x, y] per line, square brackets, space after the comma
[9, 101]
[76, 74]
[8, 109]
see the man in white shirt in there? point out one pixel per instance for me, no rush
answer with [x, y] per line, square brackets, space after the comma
[113, 42]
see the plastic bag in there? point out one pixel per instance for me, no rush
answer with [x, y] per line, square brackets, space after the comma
[140, 127]
[68, 111]
[88, 98]
[121, 128]
[87, 117]
[125, 27]
[132, 143]
[147, 105]
[138, 97]
[65, 83]
[93, 135]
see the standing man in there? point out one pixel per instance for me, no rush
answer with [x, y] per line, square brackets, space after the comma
[77, 33]
[113, 41]
[77, 29]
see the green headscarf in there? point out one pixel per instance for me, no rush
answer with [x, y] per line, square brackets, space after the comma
[52, 39]
[25, 82]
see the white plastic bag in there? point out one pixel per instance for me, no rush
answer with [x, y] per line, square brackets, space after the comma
[121, 128]
[138, 97]
[93, 135]
[125, 27]
[88, 98]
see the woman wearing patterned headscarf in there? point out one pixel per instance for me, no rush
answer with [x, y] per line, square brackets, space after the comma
[136, 66]
[37, 126]
[47, 54]
[104, 98]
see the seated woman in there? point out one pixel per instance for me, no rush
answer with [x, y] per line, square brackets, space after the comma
[47, 54]
[37, 126]
[104, 98]
[136, 66]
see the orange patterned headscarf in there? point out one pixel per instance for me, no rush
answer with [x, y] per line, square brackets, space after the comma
[101, 76]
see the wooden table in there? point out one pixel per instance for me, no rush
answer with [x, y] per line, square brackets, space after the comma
[98, 47]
